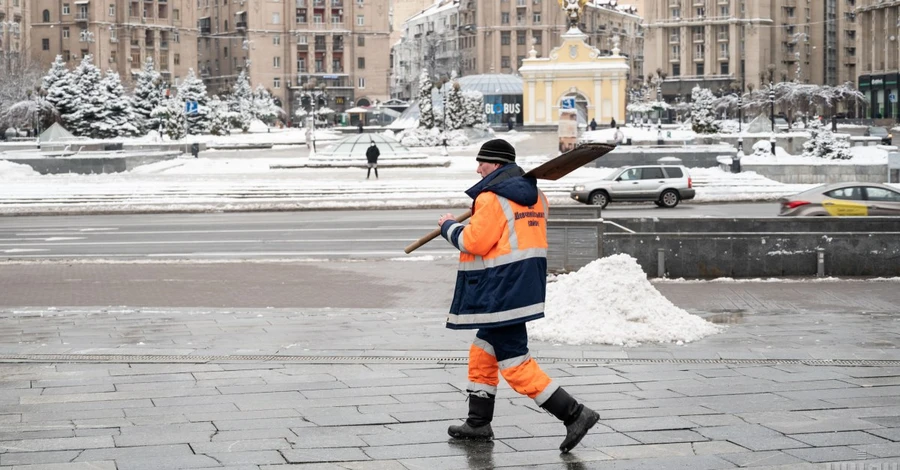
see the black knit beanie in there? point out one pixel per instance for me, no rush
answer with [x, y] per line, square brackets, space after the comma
[497, 151]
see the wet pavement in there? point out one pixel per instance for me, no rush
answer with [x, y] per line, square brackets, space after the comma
[805, 376]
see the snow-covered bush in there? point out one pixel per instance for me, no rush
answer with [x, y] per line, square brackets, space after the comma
[88, 116]
[703, 120]
[473, 108]
[823, 144]
[419, 137]
[264, 107]
[220, 117]
[426, 108]
[120, 119]
[241, 103]
[170, 114]
[453, 107]
[762, 148]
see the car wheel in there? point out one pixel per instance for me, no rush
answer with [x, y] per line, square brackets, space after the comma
[599, 198]
[669, 198]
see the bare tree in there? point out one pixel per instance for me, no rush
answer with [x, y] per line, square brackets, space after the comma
[20, 77]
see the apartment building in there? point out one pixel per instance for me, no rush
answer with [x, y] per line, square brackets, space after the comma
[284, 45]
[15, 19]
[878, 56]
[120, 34]
[714, 43]
[494, 36]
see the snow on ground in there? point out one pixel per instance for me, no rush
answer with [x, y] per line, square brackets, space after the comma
[862, 155]
[610, 301]
[259, 133]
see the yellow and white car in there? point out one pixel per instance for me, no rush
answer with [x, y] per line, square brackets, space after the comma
[843, 199]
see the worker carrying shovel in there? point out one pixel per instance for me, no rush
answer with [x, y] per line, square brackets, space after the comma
[500, 286]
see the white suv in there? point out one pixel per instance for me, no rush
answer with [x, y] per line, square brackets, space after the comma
[665, 185]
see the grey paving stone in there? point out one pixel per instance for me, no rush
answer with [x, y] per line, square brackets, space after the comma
[693, 462]
[68, 466]
[63, 443]
[751, 436]
[648, 451]
[824, 454]
[891, 434]
[714, 420]
[264, 423]
[648, 424]
[24, 435]
[846, 438]
[99, 388]
[31, 458]
[259, 457]
[165, 461]
[324, 455]
[825, 425]
[86, 414]
[349, 418]
[891, 449]
[665, 437]
[252, 434]
[241, 415]
[181, 409]
[716, 448]
[760, 459]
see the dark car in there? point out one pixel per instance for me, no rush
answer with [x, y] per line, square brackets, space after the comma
[886, 136]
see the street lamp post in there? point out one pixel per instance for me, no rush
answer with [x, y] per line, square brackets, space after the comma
[314, 92]
[772, 112]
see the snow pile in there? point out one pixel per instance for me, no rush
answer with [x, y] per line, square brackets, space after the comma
[257, 126]
[610, 301]
[12, 171]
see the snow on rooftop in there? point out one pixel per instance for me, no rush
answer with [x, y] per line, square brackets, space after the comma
[610, 301]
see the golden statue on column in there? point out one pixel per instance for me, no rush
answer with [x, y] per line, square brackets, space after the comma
[573, 9]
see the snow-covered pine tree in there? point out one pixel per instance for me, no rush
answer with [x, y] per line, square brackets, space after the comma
[426, 108]
[170, 115]
[703, 120]
[240, 103]
[823, 144]
[57, 72]
[120, 119]
[62, 91]
[219, 117]
[193, 89]
[453, 107]
[473, 108]
[264, 106]
[147, 96]
[90, 109]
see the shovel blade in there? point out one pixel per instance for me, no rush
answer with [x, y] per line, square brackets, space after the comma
[570, 161]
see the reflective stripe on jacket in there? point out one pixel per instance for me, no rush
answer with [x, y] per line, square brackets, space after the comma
[502, 263]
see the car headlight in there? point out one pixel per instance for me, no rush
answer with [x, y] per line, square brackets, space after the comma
[580, 187]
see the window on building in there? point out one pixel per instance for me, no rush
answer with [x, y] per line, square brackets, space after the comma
[276, 82]
[45, 16]
[112, 9]
[538, 37]
[700, 69]
[276, 62]
[65, 32]
[789, 11]
[519, 60]
[504, 62]
[226, 51]
[676, 70]
[676, 13]
[301, 65]
[361, 63]
[699, 50]
[360, 20]
[65, 10]
[362, 83]
[302, 40]
[723, 11]
[676, 51]
[113, 35]
[176, 59]
[504, 18]
[45, 44]
[536, 18]
[301, 16]
[66, 55]
[701, 12]
[176, 14]
[520, 38]
[359, 2]
[276, 19]
[276, 40]
[360, 41]
[504, 38]
[723, 68]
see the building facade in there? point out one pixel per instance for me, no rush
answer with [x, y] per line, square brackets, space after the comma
[15, 20]
[878, 57]
[495, 36]
[120, 34]
[287, 45]
[717, 43]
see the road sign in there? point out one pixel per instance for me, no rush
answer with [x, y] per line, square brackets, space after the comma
[892, 98]
[190, 107]
[568, 103]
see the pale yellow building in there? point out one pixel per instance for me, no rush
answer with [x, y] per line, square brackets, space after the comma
[575, 71]
[120, 34]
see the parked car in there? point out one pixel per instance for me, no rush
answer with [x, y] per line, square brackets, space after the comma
[886, 136]
[665, 185]
[843, 199]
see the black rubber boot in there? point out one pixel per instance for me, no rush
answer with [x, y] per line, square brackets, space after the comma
[577, 417]
[478, 425]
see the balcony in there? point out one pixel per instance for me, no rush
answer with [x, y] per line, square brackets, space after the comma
[320, 47]
[674, 39]
[135, 44]
[148, 43]
[241, 25]
[318, 3]
[850, 60]
[723, 55]
[699, 3]
[163, 44]
[301, 3]
[722, 36]
[338, 46]
[698, 37]
[337, 3]
[674, 3]
[81, 17]
[521, 3]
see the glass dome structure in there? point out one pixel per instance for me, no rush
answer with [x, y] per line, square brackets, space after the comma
[490, 84]
[354, 147]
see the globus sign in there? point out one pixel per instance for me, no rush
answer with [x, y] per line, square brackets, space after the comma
[502, 108]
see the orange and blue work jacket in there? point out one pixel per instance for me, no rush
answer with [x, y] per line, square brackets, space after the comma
[502, 278]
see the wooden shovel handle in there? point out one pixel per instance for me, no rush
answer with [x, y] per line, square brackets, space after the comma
[433, 234]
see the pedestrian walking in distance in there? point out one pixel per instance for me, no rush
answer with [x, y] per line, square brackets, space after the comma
[612, 123]
[593, 124]
[372, 154]
[619, 136]
[500, 286]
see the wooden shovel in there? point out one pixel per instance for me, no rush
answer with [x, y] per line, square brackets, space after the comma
[550, 170]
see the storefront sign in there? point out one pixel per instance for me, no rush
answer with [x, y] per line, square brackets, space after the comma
[502, 108]
[877, 81]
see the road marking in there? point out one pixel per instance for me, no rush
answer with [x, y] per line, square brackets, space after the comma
[262, 230]
[211, 242]
[23, 250]
[232, 255]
